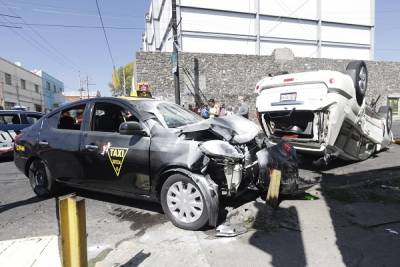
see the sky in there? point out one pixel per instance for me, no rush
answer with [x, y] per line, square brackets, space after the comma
[72, 51]
[70, 54]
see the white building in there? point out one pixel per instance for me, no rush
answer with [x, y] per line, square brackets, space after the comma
[19, 87]
[310, 28]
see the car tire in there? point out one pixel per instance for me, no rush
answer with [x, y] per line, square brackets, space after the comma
[359, 74]
[386, 112]
[176, 192]
[41, 180]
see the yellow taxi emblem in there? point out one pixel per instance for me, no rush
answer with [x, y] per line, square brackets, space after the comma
[117, 156]
[19, 148]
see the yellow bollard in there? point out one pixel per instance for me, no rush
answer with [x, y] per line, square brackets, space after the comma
[273, 189]
[73, 231]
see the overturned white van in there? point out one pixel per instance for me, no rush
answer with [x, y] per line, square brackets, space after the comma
[324, 112]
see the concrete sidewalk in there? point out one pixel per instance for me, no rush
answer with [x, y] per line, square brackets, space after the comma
[307, 233]
[30, 252]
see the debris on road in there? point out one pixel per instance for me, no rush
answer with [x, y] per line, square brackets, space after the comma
[230, 230]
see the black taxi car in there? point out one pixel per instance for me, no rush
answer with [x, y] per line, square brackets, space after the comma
[144, 148]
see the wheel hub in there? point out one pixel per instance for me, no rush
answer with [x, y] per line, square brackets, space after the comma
[185, 202]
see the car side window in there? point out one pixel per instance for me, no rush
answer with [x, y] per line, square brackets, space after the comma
[107, 117]
[32, 118]
[71, 118]
[9, 119]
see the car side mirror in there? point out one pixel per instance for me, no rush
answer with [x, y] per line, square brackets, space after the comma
[131, 128]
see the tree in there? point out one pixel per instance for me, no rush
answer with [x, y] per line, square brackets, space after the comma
[117, 79]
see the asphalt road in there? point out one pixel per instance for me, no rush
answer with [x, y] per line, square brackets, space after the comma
[109, 219]
[319, 232]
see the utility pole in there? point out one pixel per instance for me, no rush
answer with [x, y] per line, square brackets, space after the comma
[175, 56]
[123, 73]
[87, 86]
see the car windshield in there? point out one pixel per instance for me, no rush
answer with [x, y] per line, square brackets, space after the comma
[176, 116]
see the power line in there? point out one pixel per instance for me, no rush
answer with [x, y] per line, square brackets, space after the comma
[76, 26]
[49, 45]
[68, 11]
[105, 34]
[36, 45]
[6, 15]
[10, 26]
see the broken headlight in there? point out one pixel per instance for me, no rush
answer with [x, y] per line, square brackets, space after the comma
[220, 149]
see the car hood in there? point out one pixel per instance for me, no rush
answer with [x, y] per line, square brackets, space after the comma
[234, 129]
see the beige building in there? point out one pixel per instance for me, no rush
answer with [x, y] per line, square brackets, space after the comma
[19, 87]
[72, 96]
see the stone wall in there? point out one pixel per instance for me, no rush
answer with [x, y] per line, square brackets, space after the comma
[224, 76]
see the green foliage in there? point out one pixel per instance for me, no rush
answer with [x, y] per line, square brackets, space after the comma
[117, 79]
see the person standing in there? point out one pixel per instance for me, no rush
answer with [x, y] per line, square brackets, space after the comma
[222, 110]
[204, 112]
[213, 109]
[243, 107]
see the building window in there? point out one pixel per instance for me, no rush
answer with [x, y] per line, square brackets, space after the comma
[9, 105]
[23, 84]
[48, 86]
[393, 102]
[38, 108]
[8, 78]
[36, 88]
[54, 88]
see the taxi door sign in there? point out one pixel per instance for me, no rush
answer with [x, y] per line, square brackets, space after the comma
[116, 156]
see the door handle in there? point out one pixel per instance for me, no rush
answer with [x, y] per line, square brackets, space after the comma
[43, 143]
[91, 147]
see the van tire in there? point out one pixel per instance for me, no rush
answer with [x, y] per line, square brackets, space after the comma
[386, 112]
[358, 72]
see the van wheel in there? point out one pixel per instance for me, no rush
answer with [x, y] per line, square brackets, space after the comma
[40, 179]
[359, 73]
[183, 203]
[386, 112]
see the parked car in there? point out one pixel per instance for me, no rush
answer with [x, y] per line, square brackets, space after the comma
[148, 149]
[11, 123]
[325, 113]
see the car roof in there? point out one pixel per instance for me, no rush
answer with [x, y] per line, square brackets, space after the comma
[13, 111]
[139, 103]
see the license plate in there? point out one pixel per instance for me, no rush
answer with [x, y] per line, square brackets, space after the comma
[288, 97]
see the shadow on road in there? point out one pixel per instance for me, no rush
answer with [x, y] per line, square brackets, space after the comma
[284, 246]
[118, 200]
[361, 210]
[6, 159]
[137, 259]
[20, 203]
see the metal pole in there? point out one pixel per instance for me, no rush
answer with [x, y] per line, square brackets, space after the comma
[257, 27]
[123, 73]
[87, 86]
[72, 222]
[176, 54]
[319, 28]
[3, 97]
